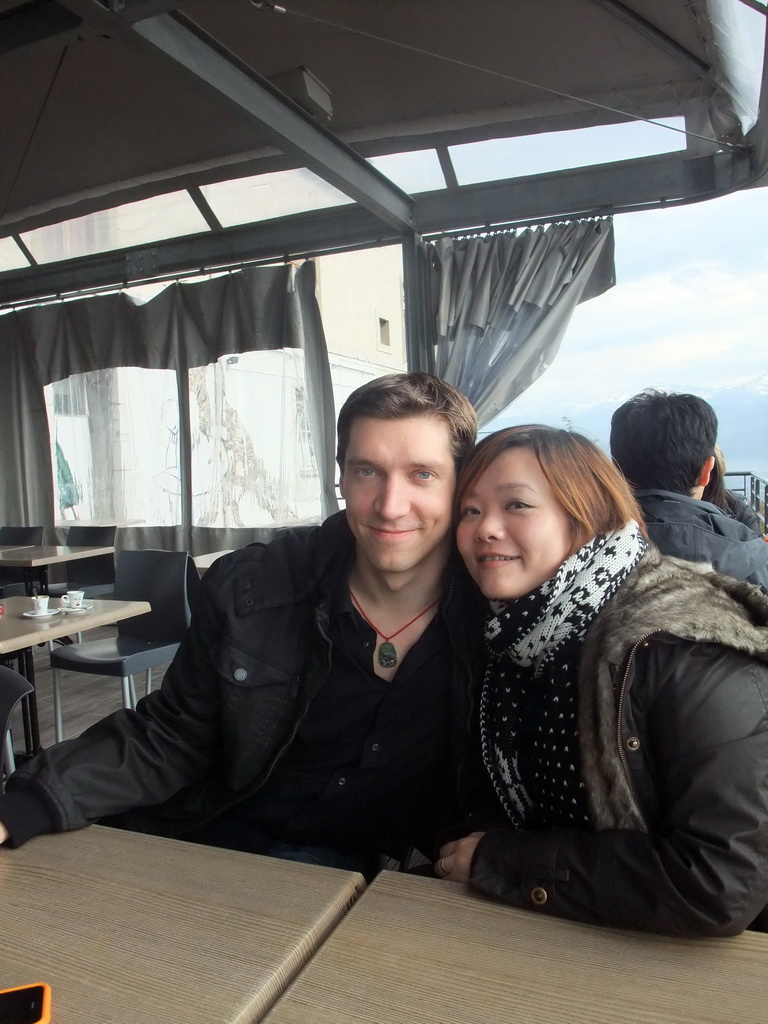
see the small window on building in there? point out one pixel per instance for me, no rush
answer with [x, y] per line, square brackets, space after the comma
[384, 333]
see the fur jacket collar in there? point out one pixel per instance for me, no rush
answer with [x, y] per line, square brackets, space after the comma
[662, 595]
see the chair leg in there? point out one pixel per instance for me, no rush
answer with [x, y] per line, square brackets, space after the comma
[129, 694]
[149, 681]
[58, 726]
[8, 758]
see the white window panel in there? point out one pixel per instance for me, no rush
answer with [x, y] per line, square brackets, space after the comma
[11, 256]
[419, 171]
[115, 445]
[148, 220]
[253, 460]
[265, 196]
[557, 151]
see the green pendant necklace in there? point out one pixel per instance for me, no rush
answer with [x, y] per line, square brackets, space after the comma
[387, 652]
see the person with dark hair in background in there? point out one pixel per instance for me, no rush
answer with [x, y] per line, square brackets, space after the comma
[317, 709]
[664, 444]
[734, 505]
[624, 712]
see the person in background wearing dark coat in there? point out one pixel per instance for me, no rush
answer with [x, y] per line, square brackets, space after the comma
[734, 505]
[624, 712]
[664, 444]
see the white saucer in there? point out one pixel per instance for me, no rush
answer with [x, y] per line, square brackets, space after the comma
[44, 615]
[76, 611]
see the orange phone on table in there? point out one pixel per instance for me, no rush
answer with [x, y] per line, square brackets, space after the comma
[27, 1004]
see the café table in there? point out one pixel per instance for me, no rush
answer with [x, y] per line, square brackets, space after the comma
[19, 634]
[36, 559]
[420, 949]
[135, 929]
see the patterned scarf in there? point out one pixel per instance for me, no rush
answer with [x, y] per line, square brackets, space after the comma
[529, 701]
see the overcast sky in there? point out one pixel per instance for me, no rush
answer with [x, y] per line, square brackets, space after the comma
[689, 311]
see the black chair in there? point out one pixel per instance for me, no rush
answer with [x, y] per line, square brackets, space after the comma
[13, 580]
[21, 535]
[169, 581]
[95, 576]
[13, 687]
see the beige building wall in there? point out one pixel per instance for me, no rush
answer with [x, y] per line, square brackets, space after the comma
[361, 302]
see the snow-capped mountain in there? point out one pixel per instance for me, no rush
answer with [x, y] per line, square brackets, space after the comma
[742, 412]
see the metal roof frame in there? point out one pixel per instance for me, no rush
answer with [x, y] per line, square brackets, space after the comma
[383, 213]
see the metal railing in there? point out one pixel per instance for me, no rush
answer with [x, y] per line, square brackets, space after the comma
[754, 490]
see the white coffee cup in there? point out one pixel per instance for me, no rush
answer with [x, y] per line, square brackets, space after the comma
[73, 598]
[40, 605]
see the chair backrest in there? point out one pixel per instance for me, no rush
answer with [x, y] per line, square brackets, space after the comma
[14, 579]
[21, 535]
[97, 571]
[13, 687]
[169, 581]
[91, 536]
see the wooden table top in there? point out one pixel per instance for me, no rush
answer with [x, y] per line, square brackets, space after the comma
[203, 562]
[133, 929]
[119, 523]
[18, 631]
[49, 554]
[420, 950]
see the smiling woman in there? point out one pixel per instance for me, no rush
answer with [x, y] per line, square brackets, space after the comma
[513, 534]
[522, 498]
[624, 694]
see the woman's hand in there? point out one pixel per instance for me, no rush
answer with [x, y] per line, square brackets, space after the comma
[455, 858]
[3, 833]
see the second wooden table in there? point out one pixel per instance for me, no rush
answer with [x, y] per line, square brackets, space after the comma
[418, 949]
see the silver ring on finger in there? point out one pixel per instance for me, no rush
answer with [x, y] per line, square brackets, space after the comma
[443, 869]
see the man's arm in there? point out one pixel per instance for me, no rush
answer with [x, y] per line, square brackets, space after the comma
[129, 759]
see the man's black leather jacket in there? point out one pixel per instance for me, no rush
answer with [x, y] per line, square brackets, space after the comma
[230, 703]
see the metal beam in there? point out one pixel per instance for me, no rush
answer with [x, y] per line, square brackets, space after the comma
[215, 70]
[135, 10]
[293, 237]
[289, 127]
[607, 189]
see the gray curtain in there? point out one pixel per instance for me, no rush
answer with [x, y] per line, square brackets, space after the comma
[505, 301]
[186, 325]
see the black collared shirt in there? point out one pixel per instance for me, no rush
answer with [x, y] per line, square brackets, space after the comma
[368, 769]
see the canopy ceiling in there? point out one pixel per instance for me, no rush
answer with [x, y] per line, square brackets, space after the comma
[105, 102]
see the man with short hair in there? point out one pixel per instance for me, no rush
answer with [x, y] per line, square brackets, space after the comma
[664, 444]
[319, 705]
